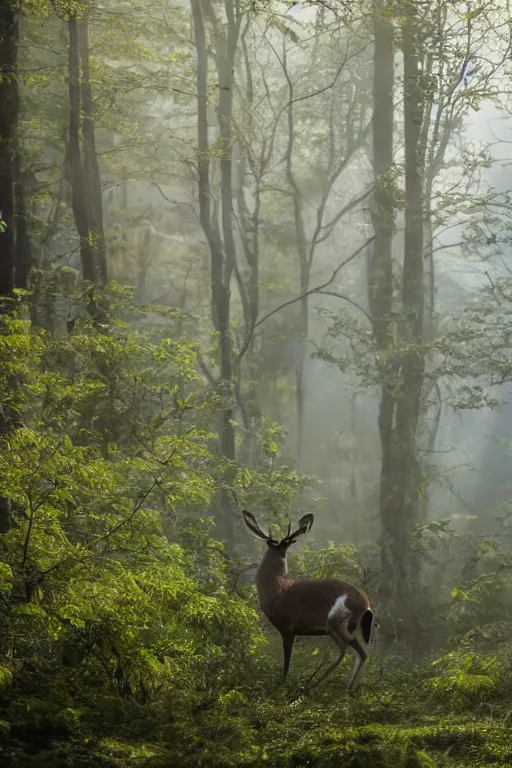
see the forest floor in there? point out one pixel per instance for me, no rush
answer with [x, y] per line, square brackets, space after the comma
[398, 719]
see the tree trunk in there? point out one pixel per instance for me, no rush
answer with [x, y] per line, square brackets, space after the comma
[90, 160]
[380, 277]
[301, 363]
[408, 470]
[76, 171]
[23, 249]
[225, 67]
[400, 360]
[249, 230]
[83, 168]
[304, 272]
[222, 251]
[9, 108]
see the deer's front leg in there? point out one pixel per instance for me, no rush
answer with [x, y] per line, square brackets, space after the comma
[288, 641]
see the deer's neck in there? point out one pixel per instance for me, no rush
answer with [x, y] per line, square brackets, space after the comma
[271, 578]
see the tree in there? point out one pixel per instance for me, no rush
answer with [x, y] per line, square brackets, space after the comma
[83, 164]
[401, 285]
[380, 279]
[319, 156]
[9, 98]
[222, 246]
[11, 203]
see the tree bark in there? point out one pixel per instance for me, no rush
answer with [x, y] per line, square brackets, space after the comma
[222, 247]
[76, 171]
[221, 255]
[407, 469]
[23, 248]
[380, 273]
[249, 231]
[225, 69]
[90, 159]
[9, 108]
[304, 271]
[399, 356]
[83, 168]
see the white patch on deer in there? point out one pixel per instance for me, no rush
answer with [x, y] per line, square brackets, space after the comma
[339, 608]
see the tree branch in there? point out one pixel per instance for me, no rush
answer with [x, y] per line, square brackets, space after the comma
[316, 289]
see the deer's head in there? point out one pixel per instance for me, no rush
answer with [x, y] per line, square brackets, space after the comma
[278, 547]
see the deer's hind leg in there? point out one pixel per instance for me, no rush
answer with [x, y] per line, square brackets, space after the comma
[359, 643]
[288, 642]
[339, 635]
[361, 657]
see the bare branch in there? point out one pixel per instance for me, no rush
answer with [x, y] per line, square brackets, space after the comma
[316, 289]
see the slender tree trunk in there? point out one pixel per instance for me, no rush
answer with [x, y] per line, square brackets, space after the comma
[9, 108]
[301, 363]
[401, 361]
[304, 276]
[249, 230]
[90, 159]
[380, 277]
[76, 170]
[23, 249]
[408, 470]
[225, 68]
[222, 249]
[83, 168]
[221, 257]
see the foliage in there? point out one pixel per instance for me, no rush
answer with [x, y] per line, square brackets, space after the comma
[123, 635]
[465, 675]
[95, 598]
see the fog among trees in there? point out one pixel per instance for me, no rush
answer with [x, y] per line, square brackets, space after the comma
[255, 255]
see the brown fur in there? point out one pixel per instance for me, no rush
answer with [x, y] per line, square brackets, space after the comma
[301, 607]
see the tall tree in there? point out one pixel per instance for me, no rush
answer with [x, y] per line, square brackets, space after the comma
[401, 361]
[83, 168]
[90, 156]
[380, 276]
[218, 226]
[341, 128]
[23, 246]
[9, 108]
[405, 471]
[403, 320]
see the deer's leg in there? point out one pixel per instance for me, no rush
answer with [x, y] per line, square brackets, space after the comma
[358, 645]
[315, 673]
[288, 641]
[342, 645]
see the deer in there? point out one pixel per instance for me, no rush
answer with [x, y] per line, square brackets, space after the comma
[310, 607]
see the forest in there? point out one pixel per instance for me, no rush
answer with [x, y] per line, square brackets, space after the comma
[254, 255]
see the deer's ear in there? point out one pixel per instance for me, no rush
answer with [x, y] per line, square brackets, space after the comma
[252, 526]
[304, 527]
[306, 523]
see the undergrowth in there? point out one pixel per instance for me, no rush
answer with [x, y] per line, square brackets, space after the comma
[124, 639]
[400, 718]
